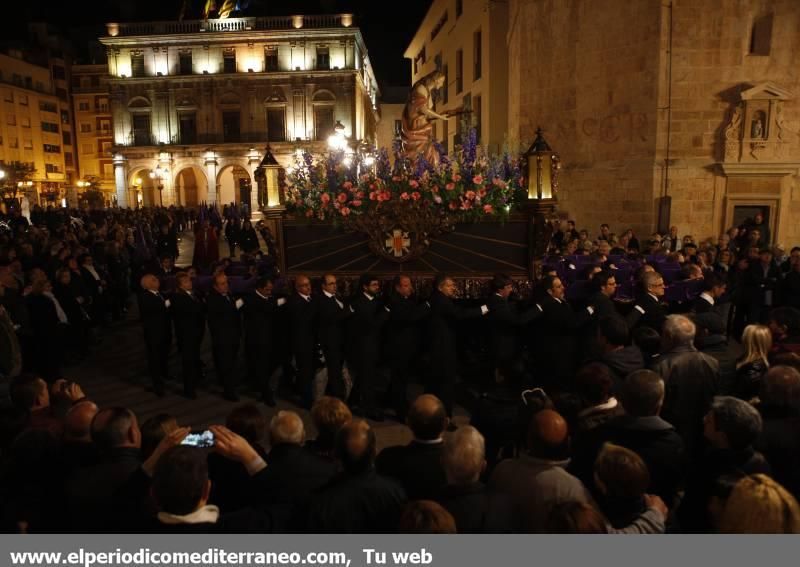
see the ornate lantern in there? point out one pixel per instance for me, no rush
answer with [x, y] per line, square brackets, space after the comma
[542, 169]
[268, 177]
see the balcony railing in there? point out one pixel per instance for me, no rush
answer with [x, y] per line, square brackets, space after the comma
[144, 139]
[230, 25]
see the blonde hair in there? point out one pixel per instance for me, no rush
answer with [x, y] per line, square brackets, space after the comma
[757, 342]
[759, 505]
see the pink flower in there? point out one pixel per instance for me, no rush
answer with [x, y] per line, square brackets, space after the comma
[482, 192]
[356, 203]
[414, 183]
[477, 180]
[342, 198]
[488, 209]
[466, 205]
[372, 186]
[309, 213]
[347, 185]
[324, 197]
[360, 195]
[387, 196]
[456, 177]
[450, 186]
[437, 199]
[405, 196]
[453, 205]
[345, 211]
[470, 195]
[396, 178]
[416, 196]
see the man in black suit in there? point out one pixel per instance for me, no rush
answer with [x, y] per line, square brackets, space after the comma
[418, 466]
[330, 329]
[364, 334]
[303, 310]
[154, 313]
[403, 340]
[166, 268]
[761, 287]
[443, 325]
[648, 310]
[506, 324]
[260, 309]
[555, 347]
[225, 325]
[189, 314]
[604, 286]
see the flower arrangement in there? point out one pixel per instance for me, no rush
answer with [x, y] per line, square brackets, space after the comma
[466, 187]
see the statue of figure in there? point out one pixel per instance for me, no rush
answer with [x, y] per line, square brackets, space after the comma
[418, 118]
[732, 131]
[758, 129]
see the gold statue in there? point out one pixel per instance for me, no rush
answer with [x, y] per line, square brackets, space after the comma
[418, 118]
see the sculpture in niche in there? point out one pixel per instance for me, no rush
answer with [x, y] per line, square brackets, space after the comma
[757, 131]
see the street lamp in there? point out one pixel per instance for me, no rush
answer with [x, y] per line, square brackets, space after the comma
[159, 175]
[542, 169]
[337, 141]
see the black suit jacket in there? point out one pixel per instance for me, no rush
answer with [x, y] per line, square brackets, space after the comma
[259, 319]
[654, 316]
[443, 331]
[330, 323]
[364, 327]
[505, 323]
[189, 316]
[404, 327]
[155, 316]
[416, 466]
[603, 306]
[303, 324]
[556, 343]
[224, 320]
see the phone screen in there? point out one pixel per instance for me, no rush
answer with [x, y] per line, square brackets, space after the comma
[199, 439]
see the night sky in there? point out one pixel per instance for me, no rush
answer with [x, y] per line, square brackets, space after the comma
[386, 34]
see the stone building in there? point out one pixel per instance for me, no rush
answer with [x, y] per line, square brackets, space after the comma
[466, 40]
[696, 100]
[93, 131]
[31, 126]
[194, 103]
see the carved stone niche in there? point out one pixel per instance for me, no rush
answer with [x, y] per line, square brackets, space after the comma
[756, 132]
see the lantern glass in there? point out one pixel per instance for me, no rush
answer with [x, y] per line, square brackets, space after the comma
[273, 187]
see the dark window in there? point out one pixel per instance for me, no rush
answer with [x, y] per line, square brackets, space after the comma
[29, 83]
[61, 93]
[445, 135]
[477, 52]
[271, 60]
[48, 107]
[68, 159]
[439, 25]
[231, 126]
[66, 138]
[761, 36]
[229, 62]
[51, 168]
[323, 58]
[459, 71]
[323, 122]
[185, 63]
[141, 129]
[276, 124]
[459, 7]
[188, 128]
[50, 127]
[466, 118]
[52, 148]
[58, 72]
[419, 61]
[137, 64]
[445, 87]
[83, 106]
[64, 117]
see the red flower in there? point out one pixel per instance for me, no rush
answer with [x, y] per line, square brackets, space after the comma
[360, 195]
[405, 196]
[477, 180]
[466, 205]
[356, 203]
[450, 186]
[342, 198]
[453, 205]
[387, 196]
[456, 177]
[414, 183]
[373, 196]
[482, 192]
[416, 196]
[324, 197]
[347, 185]
[345, 211]
[470, 195]
[488, 209]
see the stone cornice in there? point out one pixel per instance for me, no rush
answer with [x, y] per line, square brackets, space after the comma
[755, 168]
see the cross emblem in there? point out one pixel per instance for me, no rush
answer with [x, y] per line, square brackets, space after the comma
[398, 243]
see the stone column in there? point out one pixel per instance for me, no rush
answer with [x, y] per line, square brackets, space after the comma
[121, 181]
[255, 210]
[211, 178]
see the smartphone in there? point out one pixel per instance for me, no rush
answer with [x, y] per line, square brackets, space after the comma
[202, 439]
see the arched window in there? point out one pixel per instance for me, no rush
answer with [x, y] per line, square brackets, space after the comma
[761, 35]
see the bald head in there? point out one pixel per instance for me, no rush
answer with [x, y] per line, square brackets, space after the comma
[427, 417]
[286, 427]
[548, 435]
[78, 422]
[149, 282]
[355, 446]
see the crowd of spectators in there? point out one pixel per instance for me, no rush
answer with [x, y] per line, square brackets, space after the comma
[591, 416]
